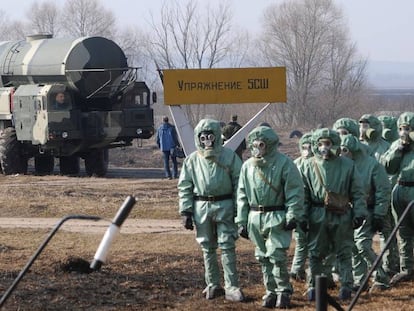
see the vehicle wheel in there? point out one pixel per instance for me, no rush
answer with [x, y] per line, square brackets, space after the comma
[44, 165]
[12, 160]
[96, 163]
[69, 165]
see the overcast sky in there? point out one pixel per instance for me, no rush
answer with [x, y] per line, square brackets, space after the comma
[381, 28]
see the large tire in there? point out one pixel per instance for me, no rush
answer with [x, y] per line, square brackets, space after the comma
[69, 165]
[96, 163]
[44, 165]
[12, 160]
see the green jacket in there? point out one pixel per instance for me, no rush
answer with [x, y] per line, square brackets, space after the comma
[398, 162]
[208, 176]
[275, 182]
[373, 176]
[338, 174]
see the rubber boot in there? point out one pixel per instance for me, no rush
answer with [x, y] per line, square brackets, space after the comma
[403, 276]
[344, 293]
[268, 277]
[378, 287]
[311, 294]
[283, 301]
[235, 295]
[212, 292]
[269, 300]
[298, 276]
[228, 261]
[212, 274]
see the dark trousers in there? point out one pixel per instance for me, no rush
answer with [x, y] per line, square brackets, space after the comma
[166, 156]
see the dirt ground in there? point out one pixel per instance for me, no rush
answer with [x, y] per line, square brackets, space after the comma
[153, 263]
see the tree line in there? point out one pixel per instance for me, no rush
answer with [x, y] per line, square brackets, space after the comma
[326, 77]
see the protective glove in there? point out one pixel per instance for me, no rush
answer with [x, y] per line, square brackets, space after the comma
[243, 232]
[290, 225]
[357, 222]
[187, 220]
[304, 226]
[377, 224]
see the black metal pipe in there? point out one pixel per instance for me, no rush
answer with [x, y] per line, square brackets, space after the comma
[322, 298]
[39, 250]
[379, 257]
[321, 293]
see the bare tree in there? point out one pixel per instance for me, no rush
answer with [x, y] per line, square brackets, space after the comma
[87, 18]
[10, 30]
[135, 44]
[324, 73]
[343, 89]
[43, 18]
[186, 36]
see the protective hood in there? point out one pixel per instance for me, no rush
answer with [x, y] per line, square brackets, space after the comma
[208, 125]
[349, 124]
[351, 142]
[265, 134]
[389, 128]
[374, 123]
[388, 122]
[406, 118]
[305, 139]
[325, 133]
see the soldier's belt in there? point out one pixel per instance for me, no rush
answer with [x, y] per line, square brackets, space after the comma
[265, 209]
[406, 183]
[213, 198]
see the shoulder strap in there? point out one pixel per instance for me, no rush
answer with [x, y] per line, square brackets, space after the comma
[262, 176]
[318, 173]
[225, 168]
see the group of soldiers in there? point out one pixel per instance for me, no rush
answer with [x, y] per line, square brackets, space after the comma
[350, 182]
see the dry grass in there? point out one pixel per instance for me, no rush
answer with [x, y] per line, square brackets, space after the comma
[58, 196]
[143, 271]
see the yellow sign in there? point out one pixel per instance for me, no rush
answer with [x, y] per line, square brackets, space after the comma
[224, 86]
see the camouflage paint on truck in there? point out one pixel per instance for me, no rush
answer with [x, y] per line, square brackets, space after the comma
[102, 106]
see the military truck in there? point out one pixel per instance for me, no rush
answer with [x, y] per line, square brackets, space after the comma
[68, 99]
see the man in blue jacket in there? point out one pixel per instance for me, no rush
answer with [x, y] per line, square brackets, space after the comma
[167, 140]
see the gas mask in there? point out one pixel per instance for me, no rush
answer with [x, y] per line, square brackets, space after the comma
[406, 135]
[258, 149]
[365, 131]
[207, 139]
[345, 152]
[306, 151]
[324, 148]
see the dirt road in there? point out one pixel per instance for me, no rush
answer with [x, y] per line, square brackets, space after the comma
[87, 226]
